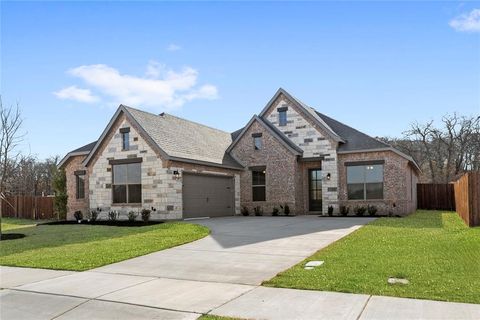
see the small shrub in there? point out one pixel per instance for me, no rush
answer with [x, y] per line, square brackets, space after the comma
[330, 211]
[245, 211]
[132, 215]
[359, 210]
[145, 215]
[78, 215]
[344, 210]
[258, 211]
[275, 211]
[93, 215]
[372, 210]
[112, 215]
[286, 209]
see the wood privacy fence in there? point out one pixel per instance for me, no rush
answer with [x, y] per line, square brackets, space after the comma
[28, 207]
[436, 196]
[467, 198]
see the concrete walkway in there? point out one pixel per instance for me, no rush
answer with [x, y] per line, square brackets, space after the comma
[219, 274]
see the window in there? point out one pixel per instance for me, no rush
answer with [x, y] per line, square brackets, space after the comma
[125, 140]
[365, 182]
[127, 183]
[258, 184]
[80, 183]
[282, 118]
[257, 142]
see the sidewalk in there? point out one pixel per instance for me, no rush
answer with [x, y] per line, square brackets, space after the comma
[47, 294]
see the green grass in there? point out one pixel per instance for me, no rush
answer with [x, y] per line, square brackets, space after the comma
[83, 247]
[434, 250]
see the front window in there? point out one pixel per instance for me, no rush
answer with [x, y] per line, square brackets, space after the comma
[127, 183]
[125, 140]
[257, 142]
[80, 183]
[258, 185]
[365, 182]
[282, 118]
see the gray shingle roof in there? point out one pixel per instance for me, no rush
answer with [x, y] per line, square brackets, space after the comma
[85, 148]
[354, 139]
[180, 138]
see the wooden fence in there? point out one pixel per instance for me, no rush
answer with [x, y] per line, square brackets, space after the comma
[434, 196]
[28, 207]
[467, 198]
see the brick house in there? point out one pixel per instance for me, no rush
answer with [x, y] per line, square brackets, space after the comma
[288, 154]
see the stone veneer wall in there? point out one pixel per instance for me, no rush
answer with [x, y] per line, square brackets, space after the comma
[314, 142]
[73, 204]
[399, 182]
[189, 167]
[280, 173]
[160, 189]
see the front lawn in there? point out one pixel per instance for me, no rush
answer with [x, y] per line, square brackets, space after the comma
[83, 247]
[434, 250]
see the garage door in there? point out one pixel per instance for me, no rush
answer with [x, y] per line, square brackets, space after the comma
[207, 196]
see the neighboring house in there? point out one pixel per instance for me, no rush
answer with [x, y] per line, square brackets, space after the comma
[288, 154]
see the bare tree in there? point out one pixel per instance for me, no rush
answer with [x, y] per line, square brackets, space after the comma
[10, 137]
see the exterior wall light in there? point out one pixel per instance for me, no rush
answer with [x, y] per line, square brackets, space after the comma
[176, 174]
[328, 176]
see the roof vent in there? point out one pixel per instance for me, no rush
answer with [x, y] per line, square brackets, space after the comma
[162, 114]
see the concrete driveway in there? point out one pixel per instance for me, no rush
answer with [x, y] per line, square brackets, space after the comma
[241, 250]
[178, 283]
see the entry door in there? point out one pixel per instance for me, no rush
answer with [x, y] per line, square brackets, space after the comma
[315, 189]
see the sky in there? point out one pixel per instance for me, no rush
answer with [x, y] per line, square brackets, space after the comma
[376, 66]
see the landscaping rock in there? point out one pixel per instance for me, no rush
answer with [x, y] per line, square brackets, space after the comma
[392, 280]
[312, 264]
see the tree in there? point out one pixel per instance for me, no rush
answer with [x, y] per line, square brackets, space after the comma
[10, 137]
[60, 187]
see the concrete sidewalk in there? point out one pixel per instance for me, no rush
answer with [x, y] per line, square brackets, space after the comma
[95, 295]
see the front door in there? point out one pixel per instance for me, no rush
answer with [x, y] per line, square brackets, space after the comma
[315, 189]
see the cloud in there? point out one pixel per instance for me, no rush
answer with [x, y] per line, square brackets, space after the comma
[74, 93]
[173, 47]
[467, 22]
[161, 88]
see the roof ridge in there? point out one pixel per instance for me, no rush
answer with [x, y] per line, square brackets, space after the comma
[177, 117]
[197, 123]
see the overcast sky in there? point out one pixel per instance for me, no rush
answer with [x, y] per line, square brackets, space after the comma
[374, 66]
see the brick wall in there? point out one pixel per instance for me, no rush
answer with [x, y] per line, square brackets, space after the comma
[399, 179]
[280, 173]
[73, 204]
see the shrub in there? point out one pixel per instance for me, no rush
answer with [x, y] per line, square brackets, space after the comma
[286, 209]
[59, 184]
[92, 215]
[372, 210]
[359, 210]
[132, 215]
[344, 210]
[258, 211]
[145, 215]
[112, 215]
[275, 211]
[245, 211]
[330, 211]
[78, 215]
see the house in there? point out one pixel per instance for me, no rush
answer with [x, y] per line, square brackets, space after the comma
[290, 154]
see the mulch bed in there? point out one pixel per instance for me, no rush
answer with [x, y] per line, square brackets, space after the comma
[116, 223]
[12, 236]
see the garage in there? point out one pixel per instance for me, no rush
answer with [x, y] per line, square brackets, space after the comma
[207, 195]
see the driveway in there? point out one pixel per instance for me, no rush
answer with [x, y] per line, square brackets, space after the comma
[177, 283]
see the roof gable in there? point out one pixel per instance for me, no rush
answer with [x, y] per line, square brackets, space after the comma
[292, 147]
[176, 139]
[305, 110]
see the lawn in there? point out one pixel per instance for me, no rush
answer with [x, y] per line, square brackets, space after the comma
[83, 247]
[434, 250]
